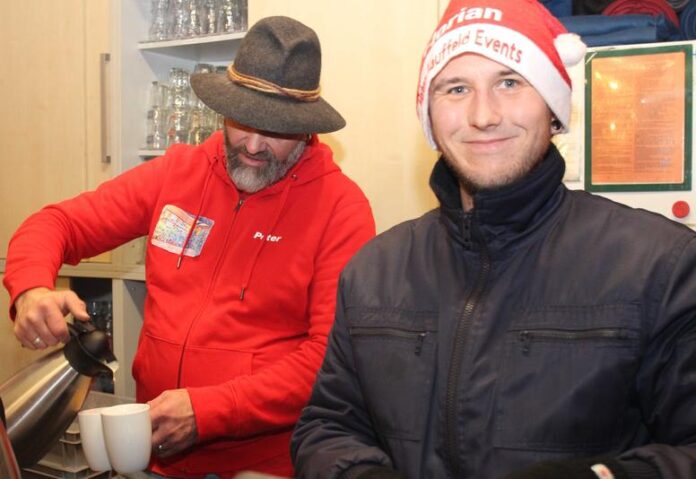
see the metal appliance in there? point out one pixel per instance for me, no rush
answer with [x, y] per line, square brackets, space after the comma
[42, 399]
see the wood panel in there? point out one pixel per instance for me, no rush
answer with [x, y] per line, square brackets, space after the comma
[42, 137]
[50, 126]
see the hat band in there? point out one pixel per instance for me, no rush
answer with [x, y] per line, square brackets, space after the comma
[265, 86]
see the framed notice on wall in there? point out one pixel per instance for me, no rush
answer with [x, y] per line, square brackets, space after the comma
[638, 119]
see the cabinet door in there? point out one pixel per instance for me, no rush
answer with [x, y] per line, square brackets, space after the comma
[51, 95]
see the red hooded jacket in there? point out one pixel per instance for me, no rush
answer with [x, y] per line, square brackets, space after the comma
[240, 317]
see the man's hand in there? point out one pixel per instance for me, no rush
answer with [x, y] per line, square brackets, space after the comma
[40, 319]
[173, 423]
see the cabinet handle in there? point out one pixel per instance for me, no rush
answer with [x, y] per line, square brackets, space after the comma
[103, 60]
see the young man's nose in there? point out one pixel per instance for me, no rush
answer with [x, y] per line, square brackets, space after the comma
[484, 110]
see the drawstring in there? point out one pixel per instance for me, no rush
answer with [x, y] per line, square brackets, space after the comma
[250, 265]
[195, 220]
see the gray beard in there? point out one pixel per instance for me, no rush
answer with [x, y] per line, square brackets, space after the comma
[252, 179]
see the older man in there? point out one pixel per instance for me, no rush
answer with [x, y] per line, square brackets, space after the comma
[521, 330]
[246, 233]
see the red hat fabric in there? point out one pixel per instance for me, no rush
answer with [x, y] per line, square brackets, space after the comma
[520, 34]
[642, 7]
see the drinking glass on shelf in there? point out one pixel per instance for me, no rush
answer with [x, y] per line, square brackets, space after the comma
[157, 116]
[180, 18]
[178, 114]
[237, 16]
[195, 22]
[177, 126]
[209, 9]
[156, 125]
[197, 131]
[157, 94]
[225, 19]
[178, 79]
[159, 26]
[244, 15]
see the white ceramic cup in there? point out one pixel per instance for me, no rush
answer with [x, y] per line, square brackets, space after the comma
[92, 439]
[128, 436]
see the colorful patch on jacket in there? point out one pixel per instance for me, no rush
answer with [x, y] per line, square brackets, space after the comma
[173, 227]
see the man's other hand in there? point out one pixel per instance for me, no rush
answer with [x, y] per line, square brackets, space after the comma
[173, 423]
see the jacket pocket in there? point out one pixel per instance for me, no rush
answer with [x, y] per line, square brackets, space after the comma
[160, 364]
[566, 380]
[396, 367]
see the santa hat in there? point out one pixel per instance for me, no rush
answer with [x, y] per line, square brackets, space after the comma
[520, 34]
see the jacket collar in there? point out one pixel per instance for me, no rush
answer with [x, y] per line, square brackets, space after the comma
[503, 215]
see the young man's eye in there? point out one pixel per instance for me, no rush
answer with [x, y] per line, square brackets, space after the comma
[510, 82]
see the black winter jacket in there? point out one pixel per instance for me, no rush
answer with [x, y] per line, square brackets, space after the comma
[546, 324]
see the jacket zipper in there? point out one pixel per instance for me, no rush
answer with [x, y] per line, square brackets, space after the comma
[457, 357]
[458, 350]
[418, 336]
[204, 302]
[527, 336]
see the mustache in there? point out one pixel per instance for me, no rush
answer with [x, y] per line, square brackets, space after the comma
[264, 155]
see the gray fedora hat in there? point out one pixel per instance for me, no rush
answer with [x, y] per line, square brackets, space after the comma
[273, 83]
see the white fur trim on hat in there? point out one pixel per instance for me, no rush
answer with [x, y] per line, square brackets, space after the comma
[505, 46]
[570, 48]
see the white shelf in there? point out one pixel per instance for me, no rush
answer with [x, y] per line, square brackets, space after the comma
[219, 38]
[218, 49]
[150, 153]
[104, 270]
[98, 270]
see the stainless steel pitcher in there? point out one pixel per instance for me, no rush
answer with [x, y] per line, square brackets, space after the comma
[42, 399]
[9, 468]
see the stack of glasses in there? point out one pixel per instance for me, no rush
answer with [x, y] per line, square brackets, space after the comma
[176, 115]
[177, 19]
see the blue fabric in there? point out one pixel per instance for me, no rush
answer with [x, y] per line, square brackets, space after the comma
[601, 30]
[688, 21]
[559, 8]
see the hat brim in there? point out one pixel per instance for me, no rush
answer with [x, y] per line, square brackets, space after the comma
[264, 111]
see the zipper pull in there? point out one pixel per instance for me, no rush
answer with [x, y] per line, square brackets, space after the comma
[419, 343]
[466, 230]
[526, 339]
[239, 204]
